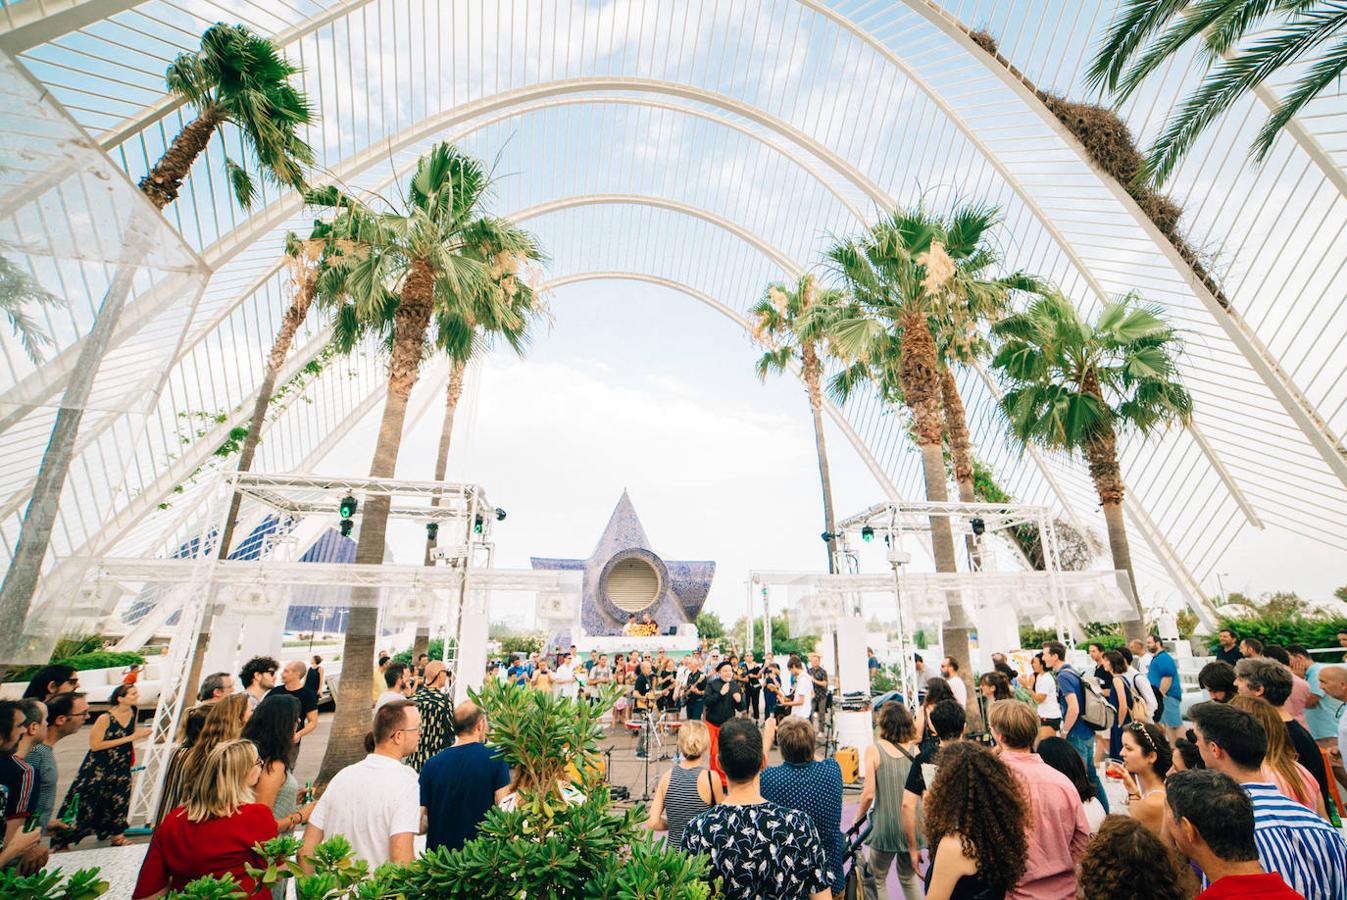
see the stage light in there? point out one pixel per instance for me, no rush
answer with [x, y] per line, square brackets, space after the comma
[348, 507]
[432, 530]
[477, 523]
[979, 527]
[346, 526]
[867, 534]
[827, 536]
[500, 514]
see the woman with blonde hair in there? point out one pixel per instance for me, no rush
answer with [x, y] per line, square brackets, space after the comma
[224, 722]
[688, 789]
[1281, 766]
[214, 831]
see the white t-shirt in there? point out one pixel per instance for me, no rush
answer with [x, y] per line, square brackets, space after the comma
[1050, 708]
[564, 678]
[368, 803]
[959, 689]
[804, 688]
[388, 697]
[1094, 814]
[1141, 685]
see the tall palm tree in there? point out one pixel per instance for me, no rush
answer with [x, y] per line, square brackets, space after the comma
[426, 257]
[304, 259]
[1242, 42]
[793, 325]
[238, 78]
[1075, 385]
[904, 278]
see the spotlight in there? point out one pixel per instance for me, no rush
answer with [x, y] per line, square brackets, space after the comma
[979, 527]
[500, 514]
[827, 536]
[348, 507]
[867, 534]
[477, 523]
[346, 526]
[432, 530]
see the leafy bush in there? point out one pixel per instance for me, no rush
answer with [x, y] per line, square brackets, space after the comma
[103, 659]
[435, 650]
[84, 884]
[1310, 630]
[521, 643]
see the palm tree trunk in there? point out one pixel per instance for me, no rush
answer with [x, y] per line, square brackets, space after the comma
[352, 720]
[956, 430]
[39, 519]
[813, 371]
[280, 349]
[960, 450]
[919, 372]
[452, 394]
[1102, 455]
[161, 184]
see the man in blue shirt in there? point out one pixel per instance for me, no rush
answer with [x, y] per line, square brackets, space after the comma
[1163, 675]
[461, 783]
[1071, 694]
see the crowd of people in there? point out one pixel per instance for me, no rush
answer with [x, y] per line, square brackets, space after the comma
[1003, 796]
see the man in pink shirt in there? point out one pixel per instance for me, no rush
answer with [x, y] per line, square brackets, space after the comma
[1057, 830]
[1300, 688]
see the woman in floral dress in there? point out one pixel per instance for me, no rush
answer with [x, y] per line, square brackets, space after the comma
[103, 784]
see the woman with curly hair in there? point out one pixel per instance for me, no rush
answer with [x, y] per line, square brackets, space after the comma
[975, 816]
[1126, 861]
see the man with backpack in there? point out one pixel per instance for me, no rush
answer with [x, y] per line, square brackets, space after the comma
[1078, 732]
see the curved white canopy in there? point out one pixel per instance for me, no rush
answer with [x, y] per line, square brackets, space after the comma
[704, 147]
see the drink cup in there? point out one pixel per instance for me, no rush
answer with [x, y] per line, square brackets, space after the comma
[1113, 769]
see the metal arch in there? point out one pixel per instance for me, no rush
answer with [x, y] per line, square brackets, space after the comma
[28, 25]
[359, 162]
[788, 265]
[1282, 387]
[242, 237]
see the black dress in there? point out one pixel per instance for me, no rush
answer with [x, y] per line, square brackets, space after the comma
[969, 887]
[104, 787]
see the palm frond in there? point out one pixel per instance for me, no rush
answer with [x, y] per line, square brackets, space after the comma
[1135, 23]
[1324, 72]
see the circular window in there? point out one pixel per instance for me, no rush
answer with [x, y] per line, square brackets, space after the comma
[632, 585]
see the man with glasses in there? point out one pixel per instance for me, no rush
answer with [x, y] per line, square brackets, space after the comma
[375, 803]
[66, 714]
[50, 680]
[257, 677]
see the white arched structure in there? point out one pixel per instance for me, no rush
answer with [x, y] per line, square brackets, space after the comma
[776, 122]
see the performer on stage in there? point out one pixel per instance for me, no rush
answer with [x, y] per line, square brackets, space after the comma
[723, 697]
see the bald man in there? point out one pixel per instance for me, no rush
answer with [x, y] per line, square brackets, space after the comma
[459, 785]
[1333, 682]
[437, 714]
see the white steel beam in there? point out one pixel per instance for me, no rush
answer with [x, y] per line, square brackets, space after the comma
[26, 25]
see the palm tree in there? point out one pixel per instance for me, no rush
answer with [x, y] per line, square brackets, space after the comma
[1243, 43]
[410, 264]
[304, 259]
[793, 325]
[1075, 385]
[904, 279]
[19, 289]
[236, 77]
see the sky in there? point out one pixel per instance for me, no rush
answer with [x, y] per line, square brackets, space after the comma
[719, 465]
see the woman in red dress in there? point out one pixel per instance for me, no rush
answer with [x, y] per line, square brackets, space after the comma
[214, 831]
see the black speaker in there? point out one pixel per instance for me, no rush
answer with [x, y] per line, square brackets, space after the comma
[673, 629]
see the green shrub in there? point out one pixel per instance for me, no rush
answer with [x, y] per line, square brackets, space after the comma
[521, 643]
[1298, 628]
[103, 659]
[435, 650]
[46, 884]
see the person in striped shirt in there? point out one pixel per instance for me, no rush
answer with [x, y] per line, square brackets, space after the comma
[1292, 841]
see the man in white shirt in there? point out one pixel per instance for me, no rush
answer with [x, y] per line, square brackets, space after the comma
[1140, 655]
[802, 703]
[375, 803]
[949, 670]
[564, 679]
[395, 677]
[1139, 682]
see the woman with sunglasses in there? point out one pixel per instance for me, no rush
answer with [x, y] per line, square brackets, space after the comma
[214, 831]
[1147, 758]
